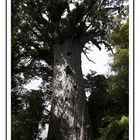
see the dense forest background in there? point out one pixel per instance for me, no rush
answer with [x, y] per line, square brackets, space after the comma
[108, 100]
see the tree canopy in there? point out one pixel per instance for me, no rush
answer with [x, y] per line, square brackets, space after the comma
[41, 24]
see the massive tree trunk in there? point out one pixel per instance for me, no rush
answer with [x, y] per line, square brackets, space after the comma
[69, 114]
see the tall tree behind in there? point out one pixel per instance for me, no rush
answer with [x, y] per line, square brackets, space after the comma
[109, 96]
[97, 86]
[115, 125]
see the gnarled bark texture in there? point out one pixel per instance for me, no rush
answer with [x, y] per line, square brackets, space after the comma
[69, 114]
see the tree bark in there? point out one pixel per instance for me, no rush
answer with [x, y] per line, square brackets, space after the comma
[69, 113]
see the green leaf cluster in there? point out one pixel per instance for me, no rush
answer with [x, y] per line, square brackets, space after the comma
[30, 121]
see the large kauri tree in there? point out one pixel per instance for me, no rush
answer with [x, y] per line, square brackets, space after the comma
[58, 31]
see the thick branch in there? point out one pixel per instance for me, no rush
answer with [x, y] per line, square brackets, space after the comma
[112, 8]
[96, 43]
[86, 48]
[88, 57]
[89, 37]
[107, 45]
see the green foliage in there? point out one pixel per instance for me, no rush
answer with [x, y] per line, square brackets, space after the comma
[117, 129]
[32, 118]
[119, 82]
[118, 97]
[120, 35]
[109, 96]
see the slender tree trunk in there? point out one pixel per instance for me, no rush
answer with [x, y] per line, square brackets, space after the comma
[69, 114]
